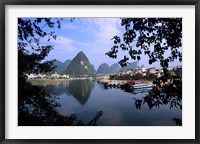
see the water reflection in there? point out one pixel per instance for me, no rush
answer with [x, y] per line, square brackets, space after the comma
[138, 103]
[57, 89]
[82, 91]
[79, 89]
[140, 107]
[156, 98]
[137, 91]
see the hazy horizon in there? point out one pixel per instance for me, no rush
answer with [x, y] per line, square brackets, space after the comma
[148, 66]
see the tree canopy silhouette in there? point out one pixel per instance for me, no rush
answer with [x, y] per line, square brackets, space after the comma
[161, 40]
[30, 35]
[35, 105]
[33, 102]
[149, 36]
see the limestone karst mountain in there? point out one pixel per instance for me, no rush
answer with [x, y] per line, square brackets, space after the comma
[80, 66]
[60, 66]
[103, 69]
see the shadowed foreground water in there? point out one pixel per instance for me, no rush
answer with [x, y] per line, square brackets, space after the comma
[120, 108]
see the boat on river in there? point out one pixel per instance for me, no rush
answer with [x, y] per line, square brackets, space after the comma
[136, 85]
[139, 85]
[114, 83]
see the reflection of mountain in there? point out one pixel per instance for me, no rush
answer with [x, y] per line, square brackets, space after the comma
[80, 89]
[57, 89]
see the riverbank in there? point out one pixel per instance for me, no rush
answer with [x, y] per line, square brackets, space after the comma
[56, 81]
[46, 81]
[106, 81]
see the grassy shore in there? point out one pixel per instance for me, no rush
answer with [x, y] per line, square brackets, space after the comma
[56, 81]
[46, 81]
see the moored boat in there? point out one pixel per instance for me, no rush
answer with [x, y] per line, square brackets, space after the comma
[114, 83]
[140, 85]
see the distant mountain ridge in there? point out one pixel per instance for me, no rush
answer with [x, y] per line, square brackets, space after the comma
[105, 69]
[80, 66]
[114, 68]
[60, 66]
[75, 66]
[131, 66]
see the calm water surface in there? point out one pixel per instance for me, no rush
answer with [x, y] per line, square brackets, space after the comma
[86, 98]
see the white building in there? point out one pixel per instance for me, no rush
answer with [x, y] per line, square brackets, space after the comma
[41, 76]
[56, 75]
[36, 76]
[129, 72]
[170, 68]
[144, 69]
[31, 76]
[65, 76]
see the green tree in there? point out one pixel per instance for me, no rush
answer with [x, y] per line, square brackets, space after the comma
[154, 37]
[35, 106]
[149, 36]
[138, 76]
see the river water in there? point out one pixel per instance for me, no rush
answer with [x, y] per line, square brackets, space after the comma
[85, 98]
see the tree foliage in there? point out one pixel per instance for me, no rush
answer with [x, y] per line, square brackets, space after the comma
[31, 44]
[149, 36]
[160, 39]
[35, 105]
[33, 102]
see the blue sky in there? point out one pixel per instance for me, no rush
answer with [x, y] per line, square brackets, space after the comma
[93, 37]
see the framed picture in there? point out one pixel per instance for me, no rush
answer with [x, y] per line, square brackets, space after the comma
[99, 72]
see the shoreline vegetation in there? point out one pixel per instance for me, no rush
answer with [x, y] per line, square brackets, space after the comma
[55, 81]
[47, 81]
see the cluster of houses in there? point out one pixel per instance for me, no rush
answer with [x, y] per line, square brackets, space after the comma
[44, 76]
[177, 70]
[145, 72]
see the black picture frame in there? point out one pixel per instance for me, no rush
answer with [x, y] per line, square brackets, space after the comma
[3, 4]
